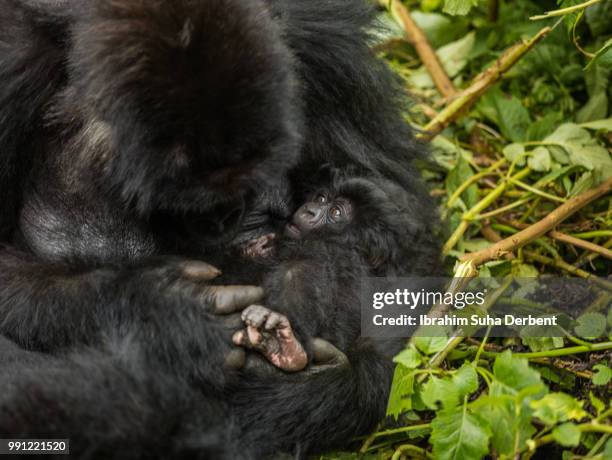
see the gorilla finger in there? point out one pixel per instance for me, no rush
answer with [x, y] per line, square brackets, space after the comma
[324, 353]
[254, 336]
[276, 320]
[235, 359]
[241, 339]
[255, 315]
[230, 299]
[199, 271]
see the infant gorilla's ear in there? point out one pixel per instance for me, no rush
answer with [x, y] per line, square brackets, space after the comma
[189, 92]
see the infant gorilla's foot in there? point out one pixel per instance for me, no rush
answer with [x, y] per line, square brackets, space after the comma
[260, 247]
[270, 334]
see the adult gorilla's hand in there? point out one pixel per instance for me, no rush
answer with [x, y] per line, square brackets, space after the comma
[190, 278]
[222, 299]
[179, 318]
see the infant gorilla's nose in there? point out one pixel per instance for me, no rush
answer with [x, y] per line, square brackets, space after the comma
[309, 216]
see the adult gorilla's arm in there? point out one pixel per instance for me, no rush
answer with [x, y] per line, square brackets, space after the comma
[78, 130]
[314, 412]
[110, 405]
[164, 305]
[31, 72]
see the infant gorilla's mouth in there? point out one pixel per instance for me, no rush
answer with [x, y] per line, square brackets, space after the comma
[292, 231]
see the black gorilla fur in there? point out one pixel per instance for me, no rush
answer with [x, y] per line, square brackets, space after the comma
[137, 135]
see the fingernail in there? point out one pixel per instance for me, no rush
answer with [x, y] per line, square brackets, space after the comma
[199, 269]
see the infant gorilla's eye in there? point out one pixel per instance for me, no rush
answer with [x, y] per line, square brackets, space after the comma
[335, 212]
[320, 198]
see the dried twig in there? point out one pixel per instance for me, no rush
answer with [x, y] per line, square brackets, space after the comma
[540, 228]
[481, 84]
[565, 238]
[418, 39]
[569, 268]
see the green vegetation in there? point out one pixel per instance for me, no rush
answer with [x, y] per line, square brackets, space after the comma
[519, 120]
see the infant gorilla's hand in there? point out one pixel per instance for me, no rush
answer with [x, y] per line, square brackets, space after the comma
[261, 247]
[270, 334]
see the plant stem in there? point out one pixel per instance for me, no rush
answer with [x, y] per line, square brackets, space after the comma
[560, 263]
[503, 209]
[418, 39]
[601, 346]
[602, 251]
[463, 187]
[537, 191]
[536, 230]
[593, 234]
[478, 208]
[481, 84]
[584, 428]
[417, 452]
[564, 11]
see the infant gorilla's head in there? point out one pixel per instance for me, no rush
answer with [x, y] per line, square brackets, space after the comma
[370, 214]
[324, 212]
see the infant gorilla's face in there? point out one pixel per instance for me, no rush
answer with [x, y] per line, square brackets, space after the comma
[322, 211]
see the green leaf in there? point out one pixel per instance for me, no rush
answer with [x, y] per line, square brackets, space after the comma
[430, 345]
[514, 374]
[459, 7]
[465, 380]
[605, 124]
[457, 434]
[453, 57]
[567, 435]
[439, 390]
[590, 325]
[409, 358]
[557, 407]
[510, 427]
[440, 29]
[431, 5]
[401, 390]
[523, 270]
[446, 153]
[457, 176]
[507, 112]
[540, 159]
[541, 128]
[599, 18]
[515, 152]
[581, 148]
[607, 452]
[558, 172]
[596, 107]
[603, 374]
[597, 403]
[604, 53]
[542, 343]
[597, 79]
[585, 182]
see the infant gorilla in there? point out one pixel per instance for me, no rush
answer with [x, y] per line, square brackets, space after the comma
[353, 227]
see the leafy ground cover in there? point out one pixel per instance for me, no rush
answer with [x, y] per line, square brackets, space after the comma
[516, 105]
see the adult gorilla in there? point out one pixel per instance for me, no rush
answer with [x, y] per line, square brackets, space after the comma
[136, 133]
